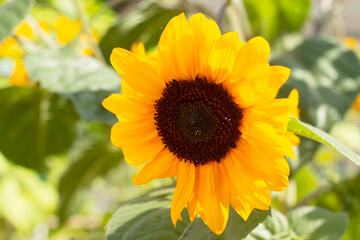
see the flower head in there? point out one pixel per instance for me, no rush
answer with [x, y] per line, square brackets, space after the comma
[204, 111]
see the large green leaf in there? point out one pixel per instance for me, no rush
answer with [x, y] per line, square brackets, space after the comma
[149, 219]
[97, 159]
[306, 223]
[83, 79]
[34, 124]
[306, 130]
[11, 13]
[145, 24]
[327, 75]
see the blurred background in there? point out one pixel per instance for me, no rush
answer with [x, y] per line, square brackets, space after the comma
[60, 177]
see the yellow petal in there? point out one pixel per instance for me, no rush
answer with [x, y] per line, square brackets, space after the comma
[178, 55]
[24, 30]
[206, 32]
[259, 85]
[274, 112]
[252, 56]
[245, 182]
[241, 207]
[356, 104]
[44, 26]
[294, 140]
[294, 99]
[265, 135]
[127, 108]
[138, 73]
[9, 48]
[213, 195]
[222, 57]
[192, 207]
[138, 48]
[66, 29]
[142, 152]
[126, 133]
[19, 76]
[266, 164]
[184, 188]
[164, 165]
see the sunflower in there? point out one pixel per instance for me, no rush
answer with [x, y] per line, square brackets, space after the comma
[204, 111]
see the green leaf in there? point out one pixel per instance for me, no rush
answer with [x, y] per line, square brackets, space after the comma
[310, 223]
[305, 223]
[306, 130]
[327, 75]
[149, 219]
[11, 14]
[82, 79]
[145, 24]
[34, 124]
[97, 159]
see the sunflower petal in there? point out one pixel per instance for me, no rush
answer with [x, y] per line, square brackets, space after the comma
[164, 165]
[260, 85]
[242, 208]
[245, 182]
[126, 133]
[178, 58]
[206, 32]
[184, 188]
[213, 196]
[127, 108]
[274, 112]
[252, 56]
[222, 57]
[138, 73]
[142, 152]
[192, 207]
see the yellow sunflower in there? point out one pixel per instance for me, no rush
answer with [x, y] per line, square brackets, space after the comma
[204, 112]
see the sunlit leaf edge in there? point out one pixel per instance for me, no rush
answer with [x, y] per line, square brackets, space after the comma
[309, 131]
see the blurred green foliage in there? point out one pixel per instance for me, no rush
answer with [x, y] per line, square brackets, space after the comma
[60, 178]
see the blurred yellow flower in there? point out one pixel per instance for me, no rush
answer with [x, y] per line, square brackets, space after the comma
[66, 29]
[356, 104]
[204, 112]
[44, 26]
[19, 76]
[9, 48]
[295, 112]
[350, 42]
[87, 49]
[24, 30]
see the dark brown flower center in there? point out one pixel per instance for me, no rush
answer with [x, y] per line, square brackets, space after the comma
[197, 120]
